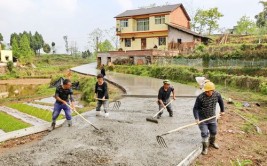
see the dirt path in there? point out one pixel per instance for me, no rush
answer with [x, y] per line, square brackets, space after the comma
[126, 139]
[26, 81]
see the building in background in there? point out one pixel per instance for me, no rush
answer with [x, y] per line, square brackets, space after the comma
[147, 33]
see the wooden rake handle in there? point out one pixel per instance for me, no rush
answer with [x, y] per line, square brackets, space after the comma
[82, 116]
[101, 99]
[163, 108]
[190, 125]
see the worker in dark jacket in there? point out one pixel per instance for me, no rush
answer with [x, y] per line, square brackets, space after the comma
[205, 107]
[63, 95]
[101, 94]
[164, 97]
[103, 71]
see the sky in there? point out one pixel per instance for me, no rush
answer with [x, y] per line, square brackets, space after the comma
[77, 18]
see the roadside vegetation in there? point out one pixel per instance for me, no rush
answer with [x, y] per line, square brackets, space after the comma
[9, 123]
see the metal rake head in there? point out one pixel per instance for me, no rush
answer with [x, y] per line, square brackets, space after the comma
[116, 106]
[161, 141]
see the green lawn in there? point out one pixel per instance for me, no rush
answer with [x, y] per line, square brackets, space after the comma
[36, 112]
[9, 123]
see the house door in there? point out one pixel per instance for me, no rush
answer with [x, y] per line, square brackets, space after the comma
[143, 43]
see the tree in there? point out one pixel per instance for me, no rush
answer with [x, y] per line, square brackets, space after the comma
[47, 48]
[105, 46]
[36, 42]
[207, 20]
[15, 46]
[66, 43]
[262, 16]
[95, 37]
[245, 26]
[1, 38]
[112, 36]
[25, 52]
[53, 44]
[86, 54]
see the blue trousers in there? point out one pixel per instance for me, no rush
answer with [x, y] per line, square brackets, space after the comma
[57, 109]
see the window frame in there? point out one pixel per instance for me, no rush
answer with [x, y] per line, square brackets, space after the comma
[128, 42]
[160, 20]
[162, 43]
[124, 23]
[143, 24]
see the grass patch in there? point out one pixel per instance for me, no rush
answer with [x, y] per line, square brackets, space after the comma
[9, 123]
[36, 112]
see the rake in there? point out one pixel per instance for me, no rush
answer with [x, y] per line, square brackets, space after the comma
[152, 119]
[161, 140]
[116, 106]
[74, 109]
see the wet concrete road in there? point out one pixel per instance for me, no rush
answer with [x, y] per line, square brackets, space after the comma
[137, 85]
[126, 137]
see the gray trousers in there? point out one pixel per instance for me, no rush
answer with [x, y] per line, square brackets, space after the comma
[100, 103]
[207, 129]
[169, 108]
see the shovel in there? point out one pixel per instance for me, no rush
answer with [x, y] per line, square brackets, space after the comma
[74, 109]
[152, 119]
[161, 141]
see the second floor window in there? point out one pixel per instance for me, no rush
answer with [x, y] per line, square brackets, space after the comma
[128, 42]
[143, 24]
[160, 20]
[124, 23]
[162, 41]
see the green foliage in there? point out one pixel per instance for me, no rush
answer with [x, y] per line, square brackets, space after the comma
[187, 74]
[105, 46]
[37, 42]
[9, 123]
[88, 89]
[25, 54]
[86, 54]
[245, 26]
[15, 46]
[239, 71]
[1, 38]
[241, 162]
[261, 17]
[207, 20]
[10, 66]
[47, 48]
[36, 112]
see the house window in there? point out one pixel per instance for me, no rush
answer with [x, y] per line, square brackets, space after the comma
[128, 42]
[179, 41]
[160, 20]
[143, 24]
[124, 23]
[162, 41]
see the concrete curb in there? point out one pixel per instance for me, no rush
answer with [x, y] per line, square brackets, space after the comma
[28, 131]
[191, 157]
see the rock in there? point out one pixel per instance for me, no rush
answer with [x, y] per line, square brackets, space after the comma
[246, 104]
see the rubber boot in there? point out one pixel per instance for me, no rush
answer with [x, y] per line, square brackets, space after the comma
[106, 115]
[171, 114]
[53, 126]
[212, 142]
[69, 123]
[97, 113]
[205, 148]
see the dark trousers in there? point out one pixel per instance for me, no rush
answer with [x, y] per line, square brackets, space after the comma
[169, 108]
[207, 129]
